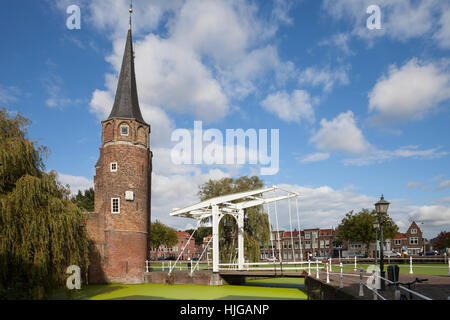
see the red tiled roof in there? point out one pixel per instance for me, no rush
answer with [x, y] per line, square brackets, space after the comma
[183, 234]
[400, 236]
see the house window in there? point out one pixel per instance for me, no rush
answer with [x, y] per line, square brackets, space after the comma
[307, 235]
[115, 205]
[124, 130]
[413, 240]
[113, 166]
[398, 242]
[413, 231]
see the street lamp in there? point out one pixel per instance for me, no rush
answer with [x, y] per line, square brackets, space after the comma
[381, 208]
[376, 226]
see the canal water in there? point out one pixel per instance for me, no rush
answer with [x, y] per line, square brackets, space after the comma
[256, 289]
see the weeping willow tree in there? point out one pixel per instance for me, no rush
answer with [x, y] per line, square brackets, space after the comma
[41, 231]
[256, 221]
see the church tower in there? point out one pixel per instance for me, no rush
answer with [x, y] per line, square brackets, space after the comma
[119, 227]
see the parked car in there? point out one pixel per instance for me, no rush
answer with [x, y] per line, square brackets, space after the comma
[392, 254]
[322, 258]
[361, 255]
[430, 253]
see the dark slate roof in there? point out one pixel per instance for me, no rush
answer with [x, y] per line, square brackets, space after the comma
[126, 104]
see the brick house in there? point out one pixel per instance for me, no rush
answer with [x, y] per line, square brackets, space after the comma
[298, 245]
[189, 253]
[411, 241]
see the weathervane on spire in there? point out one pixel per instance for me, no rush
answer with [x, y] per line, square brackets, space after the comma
[131, 11]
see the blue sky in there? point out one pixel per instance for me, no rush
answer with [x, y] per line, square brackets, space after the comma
[360, 112]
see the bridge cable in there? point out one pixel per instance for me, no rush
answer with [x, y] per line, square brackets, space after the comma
[290, 223]
[278, 232]
[271, 233]
[299, 232]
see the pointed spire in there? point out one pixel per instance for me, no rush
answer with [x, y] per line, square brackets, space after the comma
[126, 104]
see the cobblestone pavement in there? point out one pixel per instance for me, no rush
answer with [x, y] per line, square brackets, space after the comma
[436, 288]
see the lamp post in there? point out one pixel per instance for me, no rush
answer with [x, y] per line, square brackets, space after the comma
[376, 225]
[381, 208]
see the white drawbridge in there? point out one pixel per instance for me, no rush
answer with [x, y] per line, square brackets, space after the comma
[234, 204]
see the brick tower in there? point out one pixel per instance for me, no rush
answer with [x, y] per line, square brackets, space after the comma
[119, 227]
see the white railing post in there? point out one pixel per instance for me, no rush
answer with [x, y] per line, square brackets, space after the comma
[355, 263]
[341, 284]
[410, 266]
[361, 290]
[449, 267]
[163, 265]
[331, 269]
[317, 269]
[170, 265]
[309, 267]
[328, 275]
[146, 265]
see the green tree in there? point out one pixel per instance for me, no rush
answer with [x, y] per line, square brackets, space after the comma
[85, 201]
[201, 233]
[359, 227]
[41, 231]
[162, 235]
[256, 222]
[442, 241]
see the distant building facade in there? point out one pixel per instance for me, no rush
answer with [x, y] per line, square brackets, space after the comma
[171, 253]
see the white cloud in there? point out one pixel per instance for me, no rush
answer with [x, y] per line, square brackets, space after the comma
[178, 191]
[293, 107]
[325, 207]
[76, 183]
[444, 185]
[434, 215]
[442, 36]
[378, 156]
[8, 94]
[417, 185]
[409, 93]
[324, 77]
[340, 134]
[401, 20]
[315, 157]
[208, 54]
[340, 41]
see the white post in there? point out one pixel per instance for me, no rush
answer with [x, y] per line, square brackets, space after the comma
[355, 263]
[410, 266]
[341, 284]
[241, 239]
[163, 265]
[146, 265]
[449, 267]
[170, 265]
[328, 275]
[191, 266]
[361, 290]
[317, 269]
[331, 269]
[215, 235]
[309, 267]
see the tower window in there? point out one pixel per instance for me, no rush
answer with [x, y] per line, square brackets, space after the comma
[115, 205]
[124, 130]
[113, 166]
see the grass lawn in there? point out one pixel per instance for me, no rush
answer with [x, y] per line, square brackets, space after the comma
[261, 289]
[425, 269]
